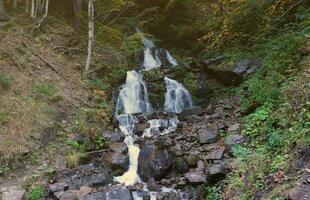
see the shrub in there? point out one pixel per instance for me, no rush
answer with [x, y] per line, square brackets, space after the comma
[35, 193]
[5, 81]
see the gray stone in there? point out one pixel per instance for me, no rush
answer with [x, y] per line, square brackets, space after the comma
[119, 147]
[192, 159]
[234, 128]
[301, 191]
[181, 165]
[139, 128]
[195, 177]
[119, 194]
[208, 135]
[117, 160]
[216, 171]
[177, 150]
[232, 140]
[12, 193]
[95, 196]
[214, 152]
[155, 160]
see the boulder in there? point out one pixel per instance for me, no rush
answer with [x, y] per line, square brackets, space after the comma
[113, 136]
[214, 152]
[155, 161]
[235, 128]
[139, 128]
[232, 140]
[177, 150]
[301, 190]
[95, 196]
[119, 147]
[195, 177]
[12, 193]
[117, 160]
[208, 135]
[192, 159]
[216, 171]
[120, 193]
[181, 165]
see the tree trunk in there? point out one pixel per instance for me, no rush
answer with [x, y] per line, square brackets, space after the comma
[27, 6]
[77, 10]
[3, 15]
[14, 4]
[45, 13]
[90, 32]
[32, 8]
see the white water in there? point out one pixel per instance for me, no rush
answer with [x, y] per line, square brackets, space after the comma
[133, 98]
[151, 61]
[155, 124]
[177, 98]
[171, 59]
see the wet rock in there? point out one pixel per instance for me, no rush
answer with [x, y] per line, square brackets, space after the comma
[119, 148]
[113, 136]
[192, 159]
[57, 187]
[181, 165]
[232, 140]
[216, 171]
[215, 152]
[141, 194]
[12, 193]
[139, 128]
[95, 196]
[234, 128]
[177, 150]
[195, 177]
[152, 185]
[155, 161]
[117, 160]
[214, 61]
[97, 180]
[208, 135]
[301, 190]
[119, 194]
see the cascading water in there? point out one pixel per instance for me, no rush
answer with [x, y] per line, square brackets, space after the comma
[177, 98]
[151, 54]
[133, 98]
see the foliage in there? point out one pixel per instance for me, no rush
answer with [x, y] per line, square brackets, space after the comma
[35, 193]
[5, 81]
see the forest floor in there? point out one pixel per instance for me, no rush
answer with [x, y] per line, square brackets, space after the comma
[40, 90]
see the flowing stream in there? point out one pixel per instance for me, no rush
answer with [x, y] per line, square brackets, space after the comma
[133, 98]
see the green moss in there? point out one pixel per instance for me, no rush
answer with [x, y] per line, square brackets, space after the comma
[35, 193]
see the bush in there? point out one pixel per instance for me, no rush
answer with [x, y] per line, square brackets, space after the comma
[35, 193]
[5, 81]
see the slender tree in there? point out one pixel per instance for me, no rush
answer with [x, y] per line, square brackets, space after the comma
[90, 33]
[3, 15]
[77, 10]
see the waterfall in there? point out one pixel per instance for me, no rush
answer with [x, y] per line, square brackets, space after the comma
[151, 54]
[177, 98]
[133, 98]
